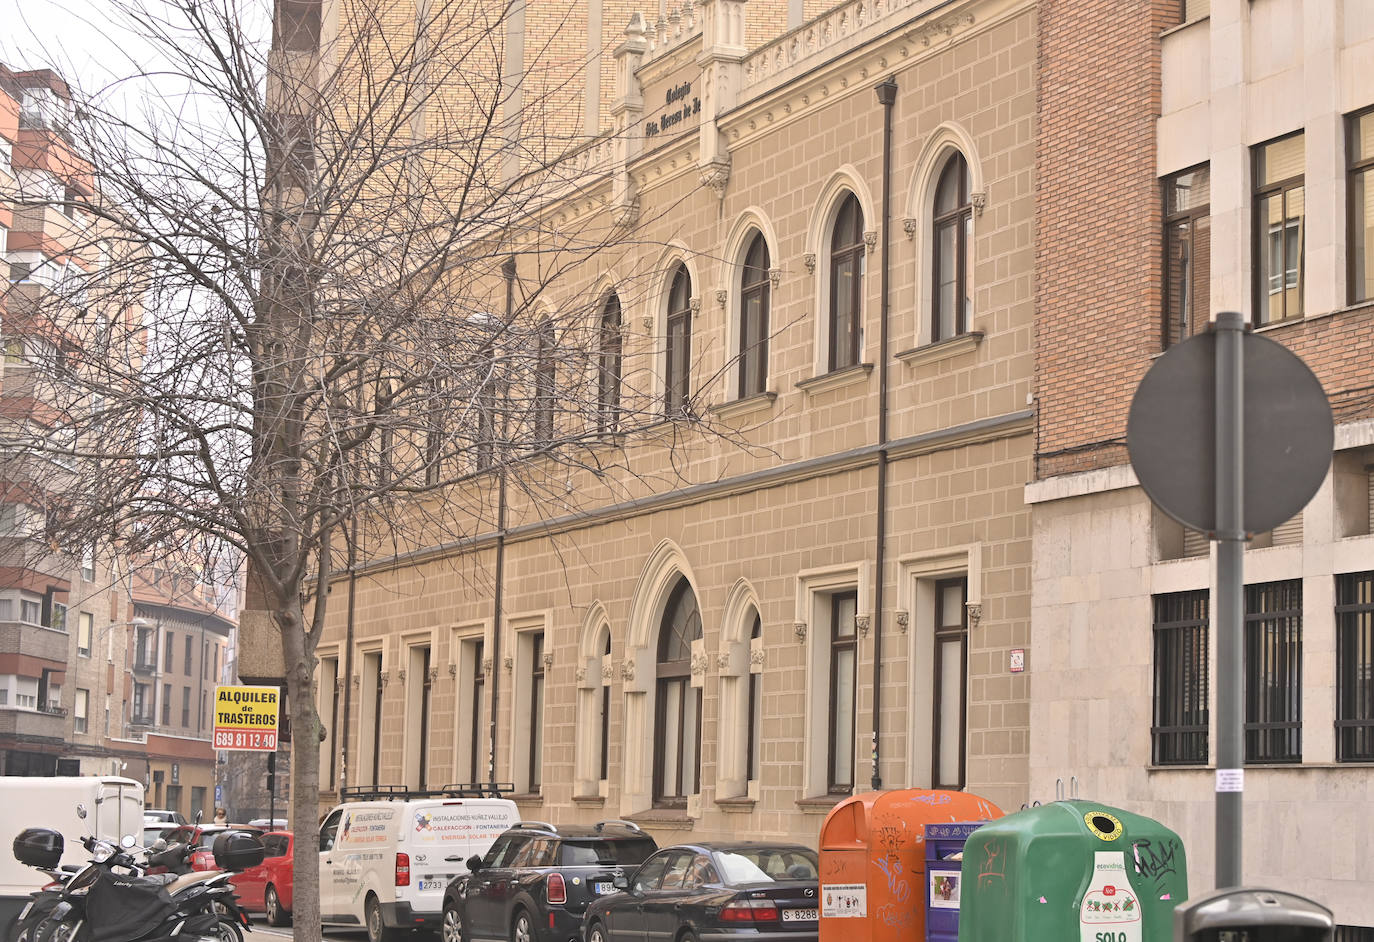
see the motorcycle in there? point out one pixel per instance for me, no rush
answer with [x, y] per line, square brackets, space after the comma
[110, 900]
[30, 844]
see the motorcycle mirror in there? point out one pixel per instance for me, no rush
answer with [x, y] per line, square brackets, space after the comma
[198, 814]
[81, 811]
[127, 841]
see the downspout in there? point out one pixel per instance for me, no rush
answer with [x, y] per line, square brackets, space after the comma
[508, 270]
[887, 97]
[341, 734]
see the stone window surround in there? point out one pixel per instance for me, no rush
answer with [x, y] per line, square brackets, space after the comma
[814, 588]
[918, 573]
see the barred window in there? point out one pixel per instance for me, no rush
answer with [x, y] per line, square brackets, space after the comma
[1354, 666]
[1273, 672]
[1179, 733]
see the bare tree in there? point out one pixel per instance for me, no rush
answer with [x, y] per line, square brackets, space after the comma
[318, 326]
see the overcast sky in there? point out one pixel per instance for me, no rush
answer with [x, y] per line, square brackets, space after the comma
[72, 35]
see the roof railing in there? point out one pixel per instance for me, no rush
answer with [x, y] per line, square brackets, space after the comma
[405, 792]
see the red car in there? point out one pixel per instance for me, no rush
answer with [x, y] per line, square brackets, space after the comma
[266, 888]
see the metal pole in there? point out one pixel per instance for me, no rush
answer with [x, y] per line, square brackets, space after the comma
[1230, 602]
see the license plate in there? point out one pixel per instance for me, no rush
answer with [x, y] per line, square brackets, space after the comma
[423, 885]
[601, 889]
[799, 915]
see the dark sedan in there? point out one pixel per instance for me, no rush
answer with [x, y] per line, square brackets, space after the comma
[717, 892]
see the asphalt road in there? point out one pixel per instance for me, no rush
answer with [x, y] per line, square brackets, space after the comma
[263, 933]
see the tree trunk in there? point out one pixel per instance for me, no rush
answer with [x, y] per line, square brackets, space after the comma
[305, 774]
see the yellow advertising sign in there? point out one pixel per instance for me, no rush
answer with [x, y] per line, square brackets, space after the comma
[246, 718]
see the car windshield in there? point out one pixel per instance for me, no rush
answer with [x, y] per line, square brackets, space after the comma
[767, 864]
[590, 853]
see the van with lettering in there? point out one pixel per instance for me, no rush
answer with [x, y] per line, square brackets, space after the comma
[388, 852]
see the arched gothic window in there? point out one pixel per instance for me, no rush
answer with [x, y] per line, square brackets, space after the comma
[608, 368]
[753, 319]
[953, 230]
[677, 727]
[677, 385]
[846, 283]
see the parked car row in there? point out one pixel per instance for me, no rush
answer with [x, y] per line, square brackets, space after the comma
[463, 864]
[611, 883]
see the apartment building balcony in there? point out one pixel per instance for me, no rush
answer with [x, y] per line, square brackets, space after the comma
[33, 725]
[145, 663]
[142, 719]
[24, 640]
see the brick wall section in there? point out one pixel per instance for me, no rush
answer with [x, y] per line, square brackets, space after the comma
[1098, 249]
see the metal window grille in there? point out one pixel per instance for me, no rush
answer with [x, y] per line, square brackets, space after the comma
[1273, 672]
[1179, 732]
[1355, 667]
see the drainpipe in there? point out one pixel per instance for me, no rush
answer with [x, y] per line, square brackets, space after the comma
[887, 97]
[508, 270]
[341, 733]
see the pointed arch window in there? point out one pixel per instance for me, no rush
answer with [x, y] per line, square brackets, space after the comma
[677, 726]
[953, 225]
[751, 755]
[605, 745]
[677, 376]
[608, 368]
[544, 381]
[753, 319]
[846, 284]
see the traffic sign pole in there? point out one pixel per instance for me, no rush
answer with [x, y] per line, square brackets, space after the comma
[1230, 611]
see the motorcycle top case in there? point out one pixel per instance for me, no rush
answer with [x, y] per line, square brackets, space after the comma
[238, 850]
[38, 847]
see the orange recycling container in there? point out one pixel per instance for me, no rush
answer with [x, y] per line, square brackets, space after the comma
[872, 852]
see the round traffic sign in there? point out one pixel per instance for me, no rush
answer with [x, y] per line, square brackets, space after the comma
[1288, 433]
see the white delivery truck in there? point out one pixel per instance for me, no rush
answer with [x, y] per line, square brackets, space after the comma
[114, 808]
[386, 856]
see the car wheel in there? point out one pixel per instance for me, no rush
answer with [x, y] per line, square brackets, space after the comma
[596, 933]
[451, 929]
[276, 916]
[376, 928]
[522, 930]
[687, 936]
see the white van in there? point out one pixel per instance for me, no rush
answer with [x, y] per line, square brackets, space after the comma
[114, 808]
[386, 856]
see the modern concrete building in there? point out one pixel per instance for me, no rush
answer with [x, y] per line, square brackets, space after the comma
[699, 650]
[106, 664]
[1225, 168]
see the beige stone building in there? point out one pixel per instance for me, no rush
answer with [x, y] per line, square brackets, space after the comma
[1238, 157]
[833, 592]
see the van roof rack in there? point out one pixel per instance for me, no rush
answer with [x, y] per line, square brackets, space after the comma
[405, 792]
[536, 825]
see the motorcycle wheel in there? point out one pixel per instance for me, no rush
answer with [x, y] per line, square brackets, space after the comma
[226, 931]
[57, 930]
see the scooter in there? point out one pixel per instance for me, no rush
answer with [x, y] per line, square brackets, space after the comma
[46, 897]
[110, 901]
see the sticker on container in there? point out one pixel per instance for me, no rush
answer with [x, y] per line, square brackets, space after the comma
[1110, 910]
[944, 889]
[844, 901]
[1230, 780]
[1104, 826]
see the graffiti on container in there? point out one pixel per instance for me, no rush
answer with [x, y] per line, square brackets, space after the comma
[1156, 859]
[984, 810]
[894, 916]
[934, 798]
[994, 869]
[834, 865]
[897, 885]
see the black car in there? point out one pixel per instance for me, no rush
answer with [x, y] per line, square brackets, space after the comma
[536, 880]
[716, 892]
